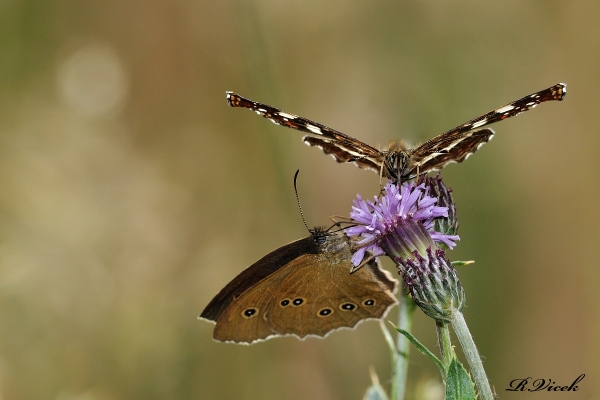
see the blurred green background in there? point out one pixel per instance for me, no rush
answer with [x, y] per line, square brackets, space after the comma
[131, 193]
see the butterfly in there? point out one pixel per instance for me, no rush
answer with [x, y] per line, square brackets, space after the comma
[303, 288]
[399, 162]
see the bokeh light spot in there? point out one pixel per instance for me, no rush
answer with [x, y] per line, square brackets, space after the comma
[93, 81]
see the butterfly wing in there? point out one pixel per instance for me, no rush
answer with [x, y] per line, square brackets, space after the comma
[322, 296]
[556, 92]
[348, 151]
[305, 273]
[244, 320]
[257, 280]
[454, 145]
[341, 146]
[458, 143]
[435, 154]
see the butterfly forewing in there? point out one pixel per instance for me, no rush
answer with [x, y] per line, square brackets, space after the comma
[342, 147]
[458, 143]
[399, 164]
[293, 121]
[556, 92]
[257, 272]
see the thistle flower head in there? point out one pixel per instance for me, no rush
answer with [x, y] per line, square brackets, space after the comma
[399, 222]
[433, 284]
[408, 224]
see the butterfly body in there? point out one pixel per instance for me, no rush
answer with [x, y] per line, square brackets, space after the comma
[303, 288]
[400, 163]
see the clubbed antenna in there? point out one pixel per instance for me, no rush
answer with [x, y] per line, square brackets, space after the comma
[298, 200]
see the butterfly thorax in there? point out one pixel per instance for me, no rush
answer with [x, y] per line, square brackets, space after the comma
[332, 246]
[396, 165]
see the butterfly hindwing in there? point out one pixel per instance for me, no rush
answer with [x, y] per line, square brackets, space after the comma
[347, 152]
[434, 155]
[343, 299]
[244, 320]
[282, 293]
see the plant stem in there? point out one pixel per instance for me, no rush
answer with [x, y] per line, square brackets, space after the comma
[400, 362]
[472, 355]
[446, 350]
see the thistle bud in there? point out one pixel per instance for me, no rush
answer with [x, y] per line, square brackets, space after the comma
[433, 284]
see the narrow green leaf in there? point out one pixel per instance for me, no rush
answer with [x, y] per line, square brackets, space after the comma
[423, 349]
[458, 384]
[389, 340]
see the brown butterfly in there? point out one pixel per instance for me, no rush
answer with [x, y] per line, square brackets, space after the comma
[303, 288]
[400, 162]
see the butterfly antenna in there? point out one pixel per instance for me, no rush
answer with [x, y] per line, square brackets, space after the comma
[338, 220]
[298, 200]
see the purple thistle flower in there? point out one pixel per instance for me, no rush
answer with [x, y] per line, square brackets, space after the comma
[398, 223]
[407, 225]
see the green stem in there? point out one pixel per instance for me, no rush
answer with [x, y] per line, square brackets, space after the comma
[400, 362]
[472, 355]
[446, 350]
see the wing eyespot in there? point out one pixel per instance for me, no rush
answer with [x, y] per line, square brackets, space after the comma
[324, 312]
[250, 312]
[284, 302]
[298, 301]
[348, 306]
[368, 302]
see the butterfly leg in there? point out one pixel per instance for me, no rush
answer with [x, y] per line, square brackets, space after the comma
[363, 263]
[418, 177]
[381, 178]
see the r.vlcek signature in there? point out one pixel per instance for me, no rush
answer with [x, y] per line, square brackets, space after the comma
[530, 385]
